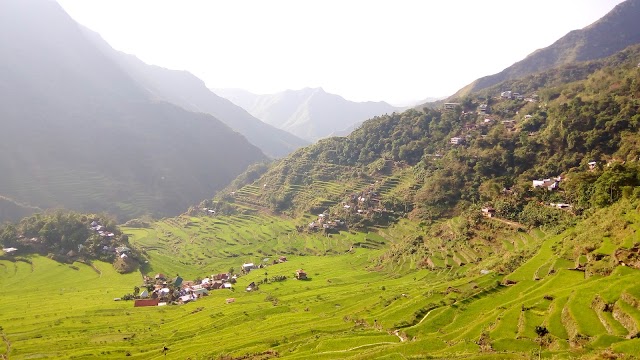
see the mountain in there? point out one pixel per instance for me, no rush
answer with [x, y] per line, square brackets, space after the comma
[310, 113]
[189, 92]
[448, 159]
[610, 34]
[81, 133]
[433, 215]
[436, 215]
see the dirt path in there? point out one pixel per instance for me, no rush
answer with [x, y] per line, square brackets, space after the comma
[397, 333]
[508, 222]
[94, 268]
[7, 343]
[424, 318]
[356, 348]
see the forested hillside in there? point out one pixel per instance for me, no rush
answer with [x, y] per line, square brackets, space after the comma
[504, 224]
[79, 132]
[500, 143]
[67, 237]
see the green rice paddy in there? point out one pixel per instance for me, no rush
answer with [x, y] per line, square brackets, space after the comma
[353, 306]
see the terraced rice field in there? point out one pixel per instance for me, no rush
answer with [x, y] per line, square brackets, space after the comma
[71, 313]
[354, 305]
[190, 246]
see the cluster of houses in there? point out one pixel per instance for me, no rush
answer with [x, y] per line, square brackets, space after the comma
[549, 184]
[365, 202]
[324, 222]
[208, 211]
[483, 109]
[101, 230]
[509, 95]
[107, 236]
[9, 250]
[160, 291]
[247, 267]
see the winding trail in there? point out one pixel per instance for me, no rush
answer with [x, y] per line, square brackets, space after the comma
[95, 268]
[424, 318]
[7, 343]
[397, 333]
[356, 348]
[508, 222]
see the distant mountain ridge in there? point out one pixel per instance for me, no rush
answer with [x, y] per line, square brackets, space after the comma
[310, 113]
[612, 33]
[78, 132]
[189, 92]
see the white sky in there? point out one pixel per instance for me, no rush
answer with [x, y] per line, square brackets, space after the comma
[392, 50]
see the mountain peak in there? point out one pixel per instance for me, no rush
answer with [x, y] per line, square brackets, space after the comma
[310, 113]
[612, 33]
[89, 136]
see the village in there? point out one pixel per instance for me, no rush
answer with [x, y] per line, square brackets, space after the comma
[512, 125]
[162, 290]
[101, 240]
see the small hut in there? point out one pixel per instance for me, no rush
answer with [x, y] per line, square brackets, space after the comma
[301, 275]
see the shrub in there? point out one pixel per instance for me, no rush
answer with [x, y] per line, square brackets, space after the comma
[541, 330]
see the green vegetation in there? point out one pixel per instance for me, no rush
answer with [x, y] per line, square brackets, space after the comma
[421, 235]
[447, 312]
[69, 237]
[557, 133]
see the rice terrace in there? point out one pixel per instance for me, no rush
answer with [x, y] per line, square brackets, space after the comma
[151, 213]
[352, 305]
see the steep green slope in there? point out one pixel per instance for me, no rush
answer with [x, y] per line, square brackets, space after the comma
[549, 131]
[612, 33]
[387, 223]
[560, 75]
[78, 132]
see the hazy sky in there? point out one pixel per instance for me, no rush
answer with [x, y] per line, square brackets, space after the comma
[392, 50]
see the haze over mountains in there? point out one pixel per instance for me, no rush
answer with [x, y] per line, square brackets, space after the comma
[80, 132]
[500, 227]
[309, 113]
[189, 92]
[612, 33]
[83, 123]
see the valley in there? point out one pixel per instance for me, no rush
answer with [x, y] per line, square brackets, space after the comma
[350, 307]
[143, 216]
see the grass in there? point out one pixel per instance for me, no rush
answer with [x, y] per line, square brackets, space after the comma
[351, 307]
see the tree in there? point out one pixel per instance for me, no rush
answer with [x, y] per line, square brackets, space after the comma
[541, 330]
